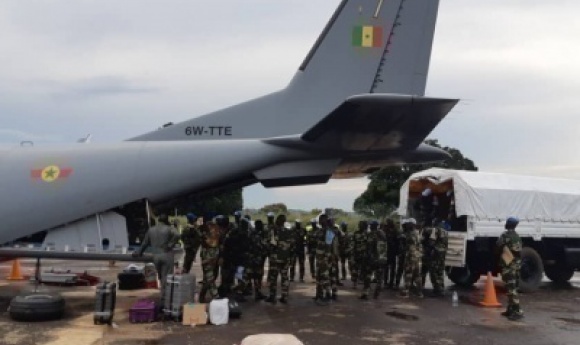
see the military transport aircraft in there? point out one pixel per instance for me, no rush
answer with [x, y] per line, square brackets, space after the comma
[355, 104]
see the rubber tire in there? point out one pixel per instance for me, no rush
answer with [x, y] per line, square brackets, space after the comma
[36, 307]
[558, 273]
[532, 270]
[462, 276]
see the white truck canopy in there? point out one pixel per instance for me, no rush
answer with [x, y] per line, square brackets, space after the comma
[498, 196]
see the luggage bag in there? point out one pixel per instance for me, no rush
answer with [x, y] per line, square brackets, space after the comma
[179, 290]
[105, 300]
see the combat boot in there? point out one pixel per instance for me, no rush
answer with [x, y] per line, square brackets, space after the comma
[515, 316]
[271, 299]
[404, 294]
[364, 297]
[334, 296]
[259, 296]
[284, 299]
[377, 293]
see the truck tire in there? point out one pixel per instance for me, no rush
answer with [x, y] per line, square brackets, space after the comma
[559, 273]
[532, 270]
[462, 276]
[36, 307]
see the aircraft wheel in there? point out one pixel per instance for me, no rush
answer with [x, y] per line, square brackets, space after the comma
[36, 307]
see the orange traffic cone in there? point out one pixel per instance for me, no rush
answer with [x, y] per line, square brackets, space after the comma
[490, 298]
[15, 273]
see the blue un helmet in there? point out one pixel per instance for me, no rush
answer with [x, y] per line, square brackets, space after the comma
[191, 217]
[511, 223]
[238, 214]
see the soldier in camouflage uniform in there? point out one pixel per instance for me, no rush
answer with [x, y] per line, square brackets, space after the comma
[435, 242]
[282, 242]
[299, 254]
[210, 253]
[359, 250]
[235, 256]
[257, 253]
[191, 239]
[311, 246]
[376, 259]
[327, 253]
[509, 248]
[413, 257]
[401, 255]
[344, 248]
[392, 234]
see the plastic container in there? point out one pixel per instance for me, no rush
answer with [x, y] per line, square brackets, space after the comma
[455, 299]
[143, 311]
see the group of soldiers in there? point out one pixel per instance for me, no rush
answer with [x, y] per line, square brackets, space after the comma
[379, 253]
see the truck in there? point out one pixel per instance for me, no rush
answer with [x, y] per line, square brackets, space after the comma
[475, 206]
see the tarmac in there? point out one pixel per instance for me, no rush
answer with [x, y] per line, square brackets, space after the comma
[552, 317]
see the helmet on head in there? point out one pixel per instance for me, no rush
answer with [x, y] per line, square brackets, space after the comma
[191, 217]
[374, 223]
[271, 215]
[512, 222]
[238, 214]
[409, 221]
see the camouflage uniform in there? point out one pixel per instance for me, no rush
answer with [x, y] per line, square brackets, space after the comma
[210, 253]
[435, 241]
[299, 253]
[376, 258]
[256, 253]
[326, 257]
[281, 242]
[344, 249]
[359, 243]
[413, 257]
[392, 234]
[311, 245]
[191, 239]
[511, 242]
[401, 255]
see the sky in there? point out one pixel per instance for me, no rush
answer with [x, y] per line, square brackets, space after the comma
[117, 69]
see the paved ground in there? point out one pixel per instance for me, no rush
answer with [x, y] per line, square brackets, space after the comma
[552, 317]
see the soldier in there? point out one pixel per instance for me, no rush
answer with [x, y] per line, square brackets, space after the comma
[392, 234]
[327, 253]
[402, 254]
[413, 257]
[234, 256]
[311, 245]
[375, 259]
[345, 248]
[210, 254]
[161, 238]
[256, 258]
[334, 268]
[435, 242]
[359, 244]
[237, 218]
[191, 239]
[509, 249]
[299, 254]
[282, 242]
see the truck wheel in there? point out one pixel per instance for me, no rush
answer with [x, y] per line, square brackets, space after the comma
[36, 307]
[532, 270]
[559, 273]
[462, 276]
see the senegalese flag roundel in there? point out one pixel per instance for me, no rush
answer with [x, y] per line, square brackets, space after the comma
[50, 173]
[367, 36]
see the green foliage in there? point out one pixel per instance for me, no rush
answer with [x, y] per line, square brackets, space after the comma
[382, 195]
[276, 208]
[225, 203]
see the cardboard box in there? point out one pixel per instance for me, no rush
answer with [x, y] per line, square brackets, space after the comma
[195, 314]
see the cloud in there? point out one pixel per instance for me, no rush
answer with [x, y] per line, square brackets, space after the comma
[8, 135]
[100, 86]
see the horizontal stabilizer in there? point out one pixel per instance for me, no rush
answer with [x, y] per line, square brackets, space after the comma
[379, 122]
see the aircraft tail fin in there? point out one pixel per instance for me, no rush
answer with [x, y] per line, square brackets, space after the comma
[368, 46]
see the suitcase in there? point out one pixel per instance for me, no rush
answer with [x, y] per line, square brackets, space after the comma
[143, 311]
[179, 290]
[105, 300]
[235, 310]
[131, 280]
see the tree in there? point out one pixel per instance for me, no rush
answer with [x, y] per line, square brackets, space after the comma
[276, 208]
[225, 203]
[382, 194]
